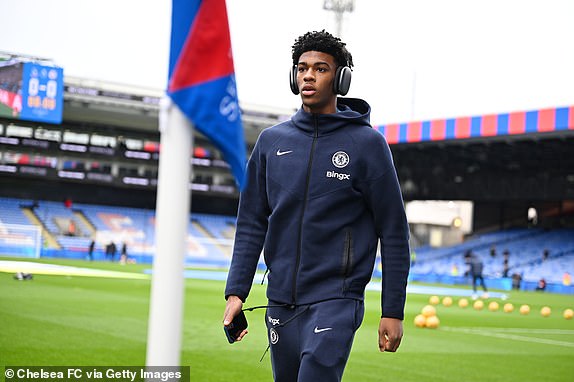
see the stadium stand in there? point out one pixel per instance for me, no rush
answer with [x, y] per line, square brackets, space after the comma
[63, 224]
[11, 213]
[133, 226]
[210, 241]
[525, 248]
[209, 236]
[14, 238]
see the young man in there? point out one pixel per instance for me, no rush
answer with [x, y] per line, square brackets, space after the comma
[322, 191]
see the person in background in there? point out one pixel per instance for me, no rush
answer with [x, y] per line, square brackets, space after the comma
[541, 287]
[566, 279]
[505, 268]
[454, 270]
[71, 228]
[475, 268]
[516, 281]
[111, 251]
[124, 253]
[91, 250]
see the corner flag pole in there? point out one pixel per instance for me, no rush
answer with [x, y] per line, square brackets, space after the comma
[172, 219]
[202, 87]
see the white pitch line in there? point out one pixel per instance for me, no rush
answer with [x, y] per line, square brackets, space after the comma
[64, 270]
[528, 331]
[498, 333]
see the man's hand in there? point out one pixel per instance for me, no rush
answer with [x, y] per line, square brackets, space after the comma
[390, 334]
[232, 309]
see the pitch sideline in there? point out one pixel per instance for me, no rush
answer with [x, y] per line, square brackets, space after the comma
[8, 266]
[505, 333]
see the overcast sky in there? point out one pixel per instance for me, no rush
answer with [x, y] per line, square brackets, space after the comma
[414, 59]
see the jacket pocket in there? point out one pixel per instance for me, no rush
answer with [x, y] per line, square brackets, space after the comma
[347, 254]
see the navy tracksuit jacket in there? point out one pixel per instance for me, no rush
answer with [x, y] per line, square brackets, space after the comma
[321, 192]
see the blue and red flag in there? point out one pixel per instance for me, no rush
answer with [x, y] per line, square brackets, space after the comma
[202, 77]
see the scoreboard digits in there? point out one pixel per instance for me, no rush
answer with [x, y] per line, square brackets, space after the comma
[42, 93]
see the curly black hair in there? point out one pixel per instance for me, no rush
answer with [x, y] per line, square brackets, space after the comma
[322, 42]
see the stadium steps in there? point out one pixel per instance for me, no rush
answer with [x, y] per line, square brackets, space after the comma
[478, 243]
[85, 222]
[50, 240]
[229, 233]
[212, 239]
[559, 250]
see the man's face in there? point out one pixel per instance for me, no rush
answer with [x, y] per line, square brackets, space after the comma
[315, 75]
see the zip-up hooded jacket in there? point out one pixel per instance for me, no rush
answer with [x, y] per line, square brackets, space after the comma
[322, 192]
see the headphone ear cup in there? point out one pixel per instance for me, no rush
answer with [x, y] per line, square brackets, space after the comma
[342, 81]
[293, 80]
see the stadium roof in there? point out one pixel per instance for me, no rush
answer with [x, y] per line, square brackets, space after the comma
[521, 155]
[483, 126]
[91, 101]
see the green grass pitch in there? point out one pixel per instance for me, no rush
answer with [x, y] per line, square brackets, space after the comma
[60, 320]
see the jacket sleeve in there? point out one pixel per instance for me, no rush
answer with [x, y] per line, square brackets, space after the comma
[251, 228]
[383, 195]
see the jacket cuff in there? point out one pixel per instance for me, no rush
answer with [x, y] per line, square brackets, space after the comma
[235, 294]
[397, 315]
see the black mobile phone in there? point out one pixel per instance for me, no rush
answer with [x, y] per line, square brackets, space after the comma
[233, 330]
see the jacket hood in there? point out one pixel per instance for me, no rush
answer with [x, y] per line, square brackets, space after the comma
[349, 111]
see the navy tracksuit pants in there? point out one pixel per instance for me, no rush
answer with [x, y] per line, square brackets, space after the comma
[312, 342]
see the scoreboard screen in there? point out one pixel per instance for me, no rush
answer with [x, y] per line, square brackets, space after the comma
[31, 91]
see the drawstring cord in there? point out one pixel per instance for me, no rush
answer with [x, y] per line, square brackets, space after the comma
[264, 274]
[251, 309]
[265, 352]
[280, 325]
[290, 306]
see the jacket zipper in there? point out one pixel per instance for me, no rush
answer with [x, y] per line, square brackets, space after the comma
[300, 238]
[347, 254]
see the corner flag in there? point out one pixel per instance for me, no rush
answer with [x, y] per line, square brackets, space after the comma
[202, 77]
